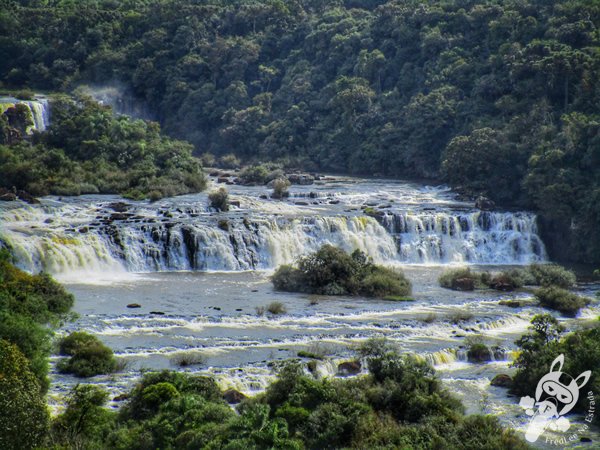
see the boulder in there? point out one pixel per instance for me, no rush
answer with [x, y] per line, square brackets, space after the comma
[8, 197]
[134, 305]
[349, 368]
[502, 380]
[121, 398]
[222, 180]
[484, 203]
[233, 396]
[27, 197]
[300, 178]
[119, 207]
[463, 284]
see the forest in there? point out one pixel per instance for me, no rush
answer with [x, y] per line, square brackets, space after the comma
[497, 98]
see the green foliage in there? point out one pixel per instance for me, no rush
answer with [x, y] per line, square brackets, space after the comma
[280, 188]
[561, 300]
[87, 149]
[544, 343]
[552, 275]
[28, 304]
[331, 271]
[477, 350]
[219, 199]
[461, 279]
[88, 355]
[24, 418]
[85, 418]
[499, 98]
[276, 308]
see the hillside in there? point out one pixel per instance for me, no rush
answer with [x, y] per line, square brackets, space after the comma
[498, 98]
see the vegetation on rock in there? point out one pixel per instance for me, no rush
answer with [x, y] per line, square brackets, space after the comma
[332, 271]
[88, 356]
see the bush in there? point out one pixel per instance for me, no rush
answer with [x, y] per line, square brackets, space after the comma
[88, 356]
[331, 271]
[462, 279]
[230, 161]
[276, 308]
[552, 275]
[561, 300]
[219, 199]
[257, 174]
[477, 351]
[280, 188]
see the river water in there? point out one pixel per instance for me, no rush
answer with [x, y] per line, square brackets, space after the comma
[201, 276]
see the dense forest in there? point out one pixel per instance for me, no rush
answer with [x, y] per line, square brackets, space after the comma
[496, 97]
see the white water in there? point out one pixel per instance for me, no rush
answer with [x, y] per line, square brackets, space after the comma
[39, 109]
[85, 235]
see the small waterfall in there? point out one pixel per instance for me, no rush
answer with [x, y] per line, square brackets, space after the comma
[39, 108]
[479, 237]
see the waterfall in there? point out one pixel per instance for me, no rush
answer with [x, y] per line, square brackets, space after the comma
[76, 235]
[479, 237]
[39, 109]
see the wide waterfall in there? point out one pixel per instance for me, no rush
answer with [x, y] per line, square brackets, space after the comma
[96, 234]
[39, 109]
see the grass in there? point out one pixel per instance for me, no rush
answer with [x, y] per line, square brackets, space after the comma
[399, 298]
[276, 308]
[188, 359]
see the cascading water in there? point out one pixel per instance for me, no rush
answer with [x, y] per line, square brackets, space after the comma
[39, 109]
[183, 234]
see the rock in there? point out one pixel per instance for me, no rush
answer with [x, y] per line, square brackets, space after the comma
[223, 225]
[233, 396]
[119, 206]
[585, 439]
[134, 305]
[214, 174]
[238, 309]
[502, 286]
[27, 197]
[334, 202]
[463, 284]
[311, 366]
[349, 368]
[484, 203]
[121, 397]
[8, 197]
[120, 216]
[222, 180]
[300, 178]
[301, 203]
[263, 197]
[502, 380]
[479, 353]
[234, 203]
[511, 303]
[84, 230]
[157, 313]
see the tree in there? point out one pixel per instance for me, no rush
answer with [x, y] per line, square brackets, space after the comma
[24, 418]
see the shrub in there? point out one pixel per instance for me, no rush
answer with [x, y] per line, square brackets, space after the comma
[229, 161]
[331, 271]
[276, 308]
[187, 359]
[219, 199]
[508, 280]
[552, 275]
[561, 300]
[254, 174]
[280, 188]
[384, 282]
[477, 350]
[25, 94]
[462, 279]
[88, 356]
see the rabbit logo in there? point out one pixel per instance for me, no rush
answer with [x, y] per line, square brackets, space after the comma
[556, 394]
